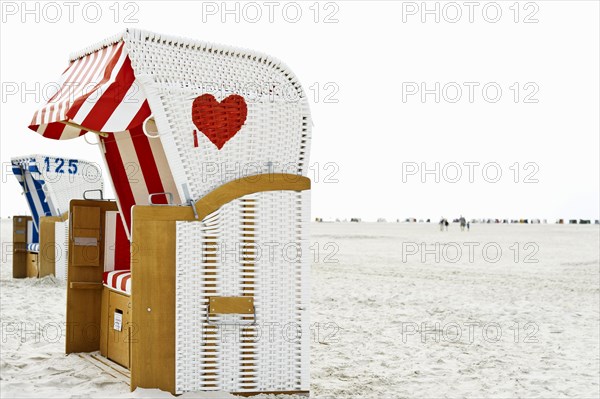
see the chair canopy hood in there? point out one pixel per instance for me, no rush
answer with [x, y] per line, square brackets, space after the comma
[97, 91]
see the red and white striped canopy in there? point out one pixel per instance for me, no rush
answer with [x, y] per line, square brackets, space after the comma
[98, 92]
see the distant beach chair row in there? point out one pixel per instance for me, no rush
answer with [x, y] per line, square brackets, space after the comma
[483, 221]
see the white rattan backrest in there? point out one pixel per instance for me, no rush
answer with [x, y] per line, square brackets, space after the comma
[274, 137]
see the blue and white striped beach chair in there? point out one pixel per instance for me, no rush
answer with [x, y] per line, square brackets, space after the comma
[49, 183]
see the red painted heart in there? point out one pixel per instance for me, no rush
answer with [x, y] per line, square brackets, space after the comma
[219, 121]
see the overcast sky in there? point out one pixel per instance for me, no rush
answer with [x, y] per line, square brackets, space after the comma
[491, 111]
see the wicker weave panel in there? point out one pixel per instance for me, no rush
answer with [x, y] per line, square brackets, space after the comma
[174, 72]
[239, 251]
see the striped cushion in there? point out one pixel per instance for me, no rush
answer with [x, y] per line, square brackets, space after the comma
[118, 280]
[33, 247]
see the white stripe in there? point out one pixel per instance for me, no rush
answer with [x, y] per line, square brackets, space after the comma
[61, 251]
[81, 86]
[71, 72]
[30, 231]
[100, 67]
[112, 184]
[47, 115]
[36, 118]
[94, 79]
[84, 77]
[132, 167]
[41, 129]
[128, 286]
[52, 111]
[126, 110]
[109, 240]
[33, 247]
[70, 132]
[164, 171]
[119, 281]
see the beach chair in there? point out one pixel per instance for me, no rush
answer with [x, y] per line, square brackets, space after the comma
[49, 183]
[207, 149]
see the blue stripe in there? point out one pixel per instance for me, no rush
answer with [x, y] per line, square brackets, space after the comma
[18, 171]
[42, 196]
[18, 174]
[33, 168]
[29, 192]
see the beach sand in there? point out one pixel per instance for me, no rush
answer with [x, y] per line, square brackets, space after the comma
[388, 318]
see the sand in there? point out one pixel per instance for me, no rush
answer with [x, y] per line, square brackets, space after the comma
[385, 319]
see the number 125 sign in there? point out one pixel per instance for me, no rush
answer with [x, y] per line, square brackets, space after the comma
[60, 165]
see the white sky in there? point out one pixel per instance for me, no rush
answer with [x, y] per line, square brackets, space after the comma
[373, 57]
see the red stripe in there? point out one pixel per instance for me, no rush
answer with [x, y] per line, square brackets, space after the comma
[70, 64]
[34, 120]
[60, 105]
[139, 118]
[147, 165]
[119, 176]
[111, 98]
[114, 277]
[54, 130]
[43, 115]
[51, 113]
[124, 282]
[106, 276]
[104, 58]
[122, 247]
[107, 72]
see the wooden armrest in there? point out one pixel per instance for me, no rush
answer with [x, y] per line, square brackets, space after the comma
[223, 195]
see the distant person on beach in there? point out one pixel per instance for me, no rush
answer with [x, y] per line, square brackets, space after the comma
[446, 224]
[463, 223]
[442, 223]
[468, 226]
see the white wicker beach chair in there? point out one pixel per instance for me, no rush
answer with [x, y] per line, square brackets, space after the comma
[220, 138]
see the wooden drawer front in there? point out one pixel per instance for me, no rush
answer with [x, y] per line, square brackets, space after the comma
[118, 341]
[20, 229]
[32, 264]
[86, 236]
